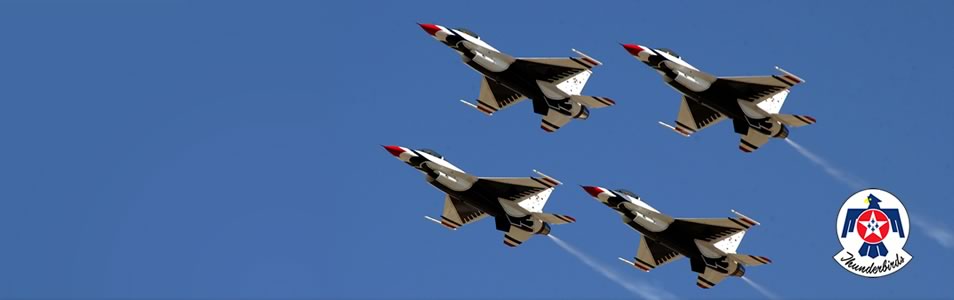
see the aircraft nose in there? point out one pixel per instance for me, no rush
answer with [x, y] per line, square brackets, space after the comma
[592, 190]
[633, 49]
[394, 150]
[430, 28]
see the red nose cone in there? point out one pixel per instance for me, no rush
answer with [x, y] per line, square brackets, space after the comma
[395, 150]
[592, 190]
[430, 28]
[633, 49]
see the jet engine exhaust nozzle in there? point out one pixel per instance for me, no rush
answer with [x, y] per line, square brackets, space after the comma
[544, 230]
[739, 272]
[782, 133]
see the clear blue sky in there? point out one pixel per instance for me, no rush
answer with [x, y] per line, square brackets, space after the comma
[213, 149]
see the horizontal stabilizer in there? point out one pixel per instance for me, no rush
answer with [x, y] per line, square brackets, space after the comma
[752, 140]
[709, 278]
[516, 236]
[554, 120]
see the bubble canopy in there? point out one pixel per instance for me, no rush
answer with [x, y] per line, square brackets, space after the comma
[432, 153]
[627, 192]
[667, 50]
[468, 32]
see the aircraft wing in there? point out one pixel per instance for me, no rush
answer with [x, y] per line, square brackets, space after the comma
[516, 188]
[494, 97]
[694, 117]
[756, 89]
[710, 230]
[652, 254]
[457, 213]
[554, 70]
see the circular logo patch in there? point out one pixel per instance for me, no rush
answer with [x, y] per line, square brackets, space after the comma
[872, 227]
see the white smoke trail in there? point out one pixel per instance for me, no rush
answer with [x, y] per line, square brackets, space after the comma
[758, 287]
[936, 231]
[640, 289]
[941, 234]
[852, 181]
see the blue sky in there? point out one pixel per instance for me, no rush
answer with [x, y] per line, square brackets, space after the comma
[213, 149]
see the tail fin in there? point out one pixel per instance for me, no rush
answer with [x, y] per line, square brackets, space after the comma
[750, 260]
[593, 101]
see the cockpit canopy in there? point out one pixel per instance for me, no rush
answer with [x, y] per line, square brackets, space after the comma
[432, 153]
[627, 192]
[468, 32]
[669, 51]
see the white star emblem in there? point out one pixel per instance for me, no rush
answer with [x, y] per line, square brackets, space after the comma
[873, 226]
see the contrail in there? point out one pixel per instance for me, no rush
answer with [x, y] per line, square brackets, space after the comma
[640, 289]
[852, 181]
[941, 234]
[935, 230]
[765, 292]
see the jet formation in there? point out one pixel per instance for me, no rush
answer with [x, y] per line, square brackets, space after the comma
[554, 86]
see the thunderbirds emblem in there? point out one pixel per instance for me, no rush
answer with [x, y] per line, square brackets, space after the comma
[872, 227]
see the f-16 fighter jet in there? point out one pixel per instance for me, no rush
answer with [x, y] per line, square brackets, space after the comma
[709, 244]
[753, 103]
[553, 84]
[516, 204]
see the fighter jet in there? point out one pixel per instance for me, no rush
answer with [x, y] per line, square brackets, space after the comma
[709, 244]
[553, 84]
[753, 103]
[516, 204]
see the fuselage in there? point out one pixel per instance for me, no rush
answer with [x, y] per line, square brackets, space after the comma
[452, 180]
[500, 68]
[654, 225]
[461, 186]
[702, 88]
